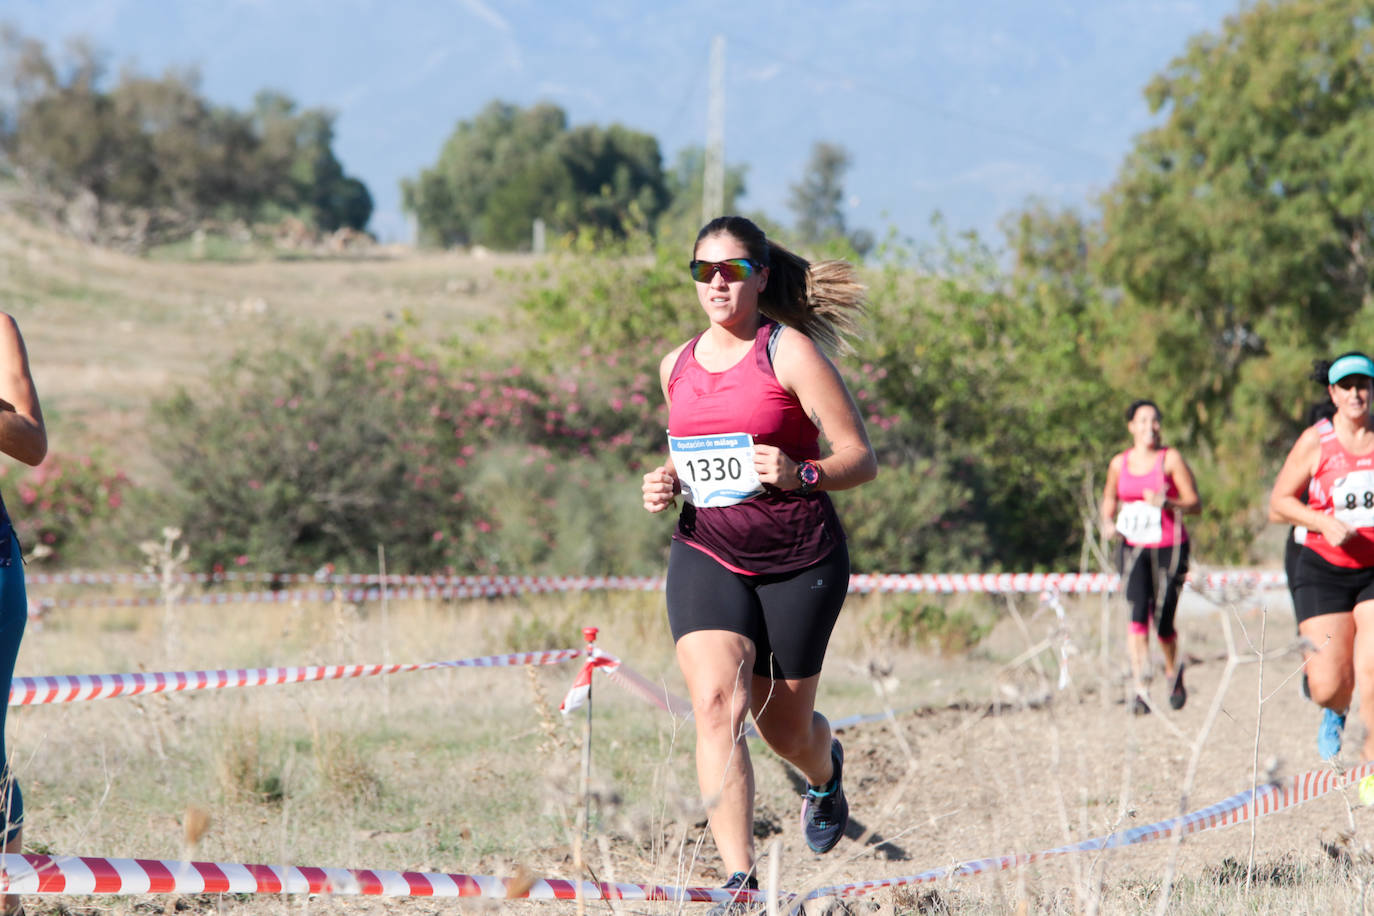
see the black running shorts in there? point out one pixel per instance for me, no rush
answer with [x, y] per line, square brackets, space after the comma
[1325, 588]
[789, 616]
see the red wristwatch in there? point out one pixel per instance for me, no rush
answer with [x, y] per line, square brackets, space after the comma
[809, 475]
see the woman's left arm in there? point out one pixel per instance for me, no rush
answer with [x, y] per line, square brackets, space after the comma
[1188, 501]
[22, 433]
[812, 378]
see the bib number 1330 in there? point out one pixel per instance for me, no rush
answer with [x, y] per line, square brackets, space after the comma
[715, 470]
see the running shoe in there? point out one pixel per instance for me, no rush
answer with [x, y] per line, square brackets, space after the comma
[1306, 690]
[825, 812]
[1141, 707]
[734, 907]
[1329, 736]
[1179, 694]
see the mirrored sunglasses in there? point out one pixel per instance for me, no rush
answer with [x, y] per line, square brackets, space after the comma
[732, 270]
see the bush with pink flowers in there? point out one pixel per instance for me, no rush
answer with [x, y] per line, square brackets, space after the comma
[60, 505]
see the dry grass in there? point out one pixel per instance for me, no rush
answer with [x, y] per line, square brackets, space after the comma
[471, 770]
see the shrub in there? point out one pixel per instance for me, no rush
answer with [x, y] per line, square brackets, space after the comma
[63, 501]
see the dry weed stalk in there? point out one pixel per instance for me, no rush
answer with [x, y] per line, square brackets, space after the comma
[195, 823]
[164, 560]
[1234, 659]
[554, 743]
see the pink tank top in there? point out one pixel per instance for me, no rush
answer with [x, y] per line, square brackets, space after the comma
[781, 530]
[1343, 486]
[1131, 488]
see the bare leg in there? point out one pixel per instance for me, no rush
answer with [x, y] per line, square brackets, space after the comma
[1364, 670]
[1170, 650]
[785, 713]
[718, 668]
[1138, 645]
[1331, 662]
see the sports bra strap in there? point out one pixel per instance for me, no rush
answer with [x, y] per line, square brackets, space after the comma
[773, 336]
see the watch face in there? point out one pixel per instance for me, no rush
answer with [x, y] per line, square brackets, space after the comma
[808, 474]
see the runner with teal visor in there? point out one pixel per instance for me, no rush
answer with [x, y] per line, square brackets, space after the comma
[1350, 364]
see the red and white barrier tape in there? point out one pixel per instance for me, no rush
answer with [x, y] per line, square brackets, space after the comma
[41, 874]
[460, 587]
[1268, 799]
[354, 596]
[73, 688]
[625, 677]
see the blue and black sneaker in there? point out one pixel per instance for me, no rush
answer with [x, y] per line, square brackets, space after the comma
[825, 812]
[735, 907]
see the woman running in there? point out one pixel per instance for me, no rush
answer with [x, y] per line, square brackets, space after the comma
[23, 437]
[1149, 489]
[758, 568]
[1326, 485]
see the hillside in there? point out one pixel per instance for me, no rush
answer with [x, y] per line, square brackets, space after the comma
[107, 333]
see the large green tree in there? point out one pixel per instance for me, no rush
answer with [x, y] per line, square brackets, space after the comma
[157, 144]
[1241, 226]
[509, 166]
[1239, 232]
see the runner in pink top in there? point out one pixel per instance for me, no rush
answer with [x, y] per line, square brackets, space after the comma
[758, 569]
[1326, 485]
[1148, 491]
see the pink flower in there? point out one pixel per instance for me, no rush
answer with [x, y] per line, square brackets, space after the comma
[483, 525]
[115, 500]
[241, 559]
[438, 536]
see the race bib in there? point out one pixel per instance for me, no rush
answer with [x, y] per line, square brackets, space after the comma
[716, 471]
[1140, 523]
[1352, 499]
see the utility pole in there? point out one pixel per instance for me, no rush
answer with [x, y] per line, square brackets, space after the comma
[713, 181]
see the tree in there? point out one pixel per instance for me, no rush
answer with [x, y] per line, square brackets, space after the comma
[508, 166]
[1240, 232]
[817, 200]
[157, 145]
[1242, 227]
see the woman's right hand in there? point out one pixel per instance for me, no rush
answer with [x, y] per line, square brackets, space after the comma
[659, 488]
[1336, 531]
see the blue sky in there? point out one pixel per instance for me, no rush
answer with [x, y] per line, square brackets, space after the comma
[963, 108]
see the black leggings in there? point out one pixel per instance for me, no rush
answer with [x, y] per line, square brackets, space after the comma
[1153, 584]
[789, 616]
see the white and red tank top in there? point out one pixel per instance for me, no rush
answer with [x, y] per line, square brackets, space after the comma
[1141, 524]
[1343, 486]
[780, 530]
